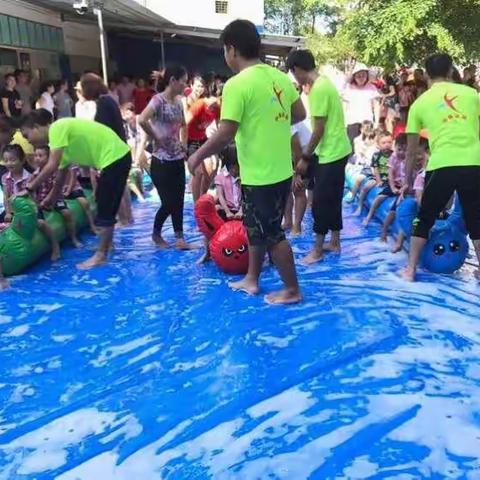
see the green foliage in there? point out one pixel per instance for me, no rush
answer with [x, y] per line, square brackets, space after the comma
[381, 32]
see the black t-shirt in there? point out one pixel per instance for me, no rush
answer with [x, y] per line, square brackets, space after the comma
[13, 97]
[108, 113]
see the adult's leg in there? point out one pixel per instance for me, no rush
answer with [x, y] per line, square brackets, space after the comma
[159, 172]
[469, 195]
[321, 196]
[439, 187]
[336, 174]
[288, 216]
[110, 188]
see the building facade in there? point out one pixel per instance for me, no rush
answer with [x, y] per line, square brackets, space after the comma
[215, 14]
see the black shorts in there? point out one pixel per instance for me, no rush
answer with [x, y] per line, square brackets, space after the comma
[110, 188]
[387, 191]
[440, 185]
[59, 207]
[263, 209]
[78, 193]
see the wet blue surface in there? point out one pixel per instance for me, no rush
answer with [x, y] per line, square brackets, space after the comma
[151, 368]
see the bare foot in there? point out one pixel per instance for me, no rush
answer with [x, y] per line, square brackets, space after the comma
[408, 274]
[397, 248]
[330, 247]
[284, 297]
[181, 244]
[55, 256]
[77, 243]
[296, 231]
[94, 261]
[160, 242]
[312, 257]
[246, 285]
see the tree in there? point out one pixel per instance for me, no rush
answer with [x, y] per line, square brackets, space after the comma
[389, 32]
[296, 17]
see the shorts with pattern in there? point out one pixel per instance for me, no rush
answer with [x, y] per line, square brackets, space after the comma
[263, 209]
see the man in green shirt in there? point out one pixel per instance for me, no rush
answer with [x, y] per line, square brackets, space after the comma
[88, 144]
[450, 113]
[258, 106]
[329, 149]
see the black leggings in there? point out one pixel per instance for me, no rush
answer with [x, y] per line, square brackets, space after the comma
[440, 185]
[328, 196]
[169, 180]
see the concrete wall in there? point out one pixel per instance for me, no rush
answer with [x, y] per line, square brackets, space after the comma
[201, 13]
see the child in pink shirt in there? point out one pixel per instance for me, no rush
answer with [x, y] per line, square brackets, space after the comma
[229, 191]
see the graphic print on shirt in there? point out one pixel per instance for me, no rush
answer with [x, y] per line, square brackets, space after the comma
[449, 104]
[278, 92]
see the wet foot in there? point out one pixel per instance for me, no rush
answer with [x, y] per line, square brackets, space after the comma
[397, 248]
[312, 257]
[181, 244]
[247, 286]
[55, 256]
[332, 248]
[77, 243]
[284, 297]
[160, 242]
[408, 274]
[94, 261]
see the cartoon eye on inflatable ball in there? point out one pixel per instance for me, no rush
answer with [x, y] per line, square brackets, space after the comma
[228, 240]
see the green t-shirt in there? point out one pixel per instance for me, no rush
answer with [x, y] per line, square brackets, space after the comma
[325, 101]
[259, 98]
[86, 143]
[450, 114]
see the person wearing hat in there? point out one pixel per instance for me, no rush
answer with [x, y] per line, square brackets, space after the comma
[85, 109]
[359, 97]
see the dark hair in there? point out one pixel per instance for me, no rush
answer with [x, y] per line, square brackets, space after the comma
[439, 65]
[92, 86]
[243, 36]
[381, 133]
[229, 155]
[370, 131]
[19, 72]
[8, 75]
[401, 139]
[303, 59]
[45, 86]
[38, 118]
[172, 71]
[45, 148]
[17, 150]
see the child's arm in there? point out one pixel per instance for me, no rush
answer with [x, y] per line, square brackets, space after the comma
[8, 205]
[223, 202]
[93, 179]
[418, 196]
[70, 183]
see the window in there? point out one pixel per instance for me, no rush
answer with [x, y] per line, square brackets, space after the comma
[221, 6]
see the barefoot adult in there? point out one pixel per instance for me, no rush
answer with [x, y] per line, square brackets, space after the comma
[329, 149]
[258, 106]
[450, 113]
[87, 144]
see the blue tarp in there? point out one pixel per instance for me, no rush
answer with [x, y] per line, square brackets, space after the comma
[151, 368]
